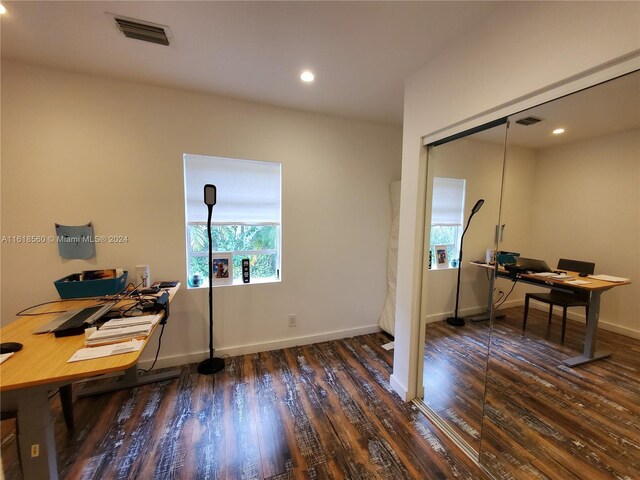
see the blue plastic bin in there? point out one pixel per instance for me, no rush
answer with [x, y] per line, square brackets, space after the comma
[71, 286]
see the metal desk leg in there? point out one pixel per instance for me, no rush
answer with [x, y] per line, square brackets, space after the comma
[589, 353]
[130, 379]
[66, 400]
[36, 441]
[483, 317]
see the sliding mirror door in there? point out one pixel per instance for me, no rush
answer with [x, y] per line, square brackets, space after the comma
[461, 173]
[551, 412]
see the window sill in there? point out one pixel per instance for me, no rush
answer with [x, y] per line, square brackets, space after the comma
[441, 269]
[238, 282]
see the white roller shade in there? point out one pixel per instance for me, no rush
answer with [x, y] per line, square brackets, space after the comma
[248, 191]
[447, 207]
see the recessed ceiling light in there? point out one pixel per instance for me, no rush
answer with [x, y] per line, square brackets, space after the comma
[558, 131]
[2, 9]
[307, 76]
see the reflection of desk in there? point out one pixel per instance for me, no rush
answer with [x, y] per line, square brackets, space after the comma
[40, 367]
[594, 287]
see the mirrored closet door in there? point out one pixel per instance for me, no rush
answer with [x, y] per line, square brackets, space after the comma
[462, 210]
[563, 187]
[571, 192]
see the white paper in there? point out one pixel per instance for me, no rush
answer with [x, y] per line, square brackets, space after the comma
[609, 278]
[122, 333]
[5, 356]
[577, 282]
[106, 350]
[130, 321]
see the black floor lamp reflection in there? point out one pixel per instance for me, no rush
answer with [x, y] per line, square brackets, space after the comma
[210, 365]
[456, 320]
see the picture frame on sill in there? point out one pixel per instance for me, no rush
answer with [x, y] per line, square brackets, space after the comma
[442, 259]
[222, 268]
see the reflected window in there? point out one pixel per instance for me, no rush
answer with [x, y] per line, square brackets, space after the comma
[447, 211]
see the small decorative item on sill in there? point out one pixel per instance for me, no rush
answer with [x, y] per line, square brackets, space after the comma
[245, 270]
[195, 280]
[441, 256]
[222, 268]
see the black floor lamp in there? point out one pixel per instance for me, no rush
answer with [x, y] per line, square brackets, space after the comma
[456, 320]
[210, 365]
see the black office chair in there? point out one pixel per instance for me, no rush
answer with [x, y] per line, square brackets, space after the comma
[565, 300]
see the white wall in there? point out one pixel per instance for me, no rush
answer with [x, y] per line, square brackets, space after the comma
[77, 148]
[525, 53]
[598, 181]
[480, 164]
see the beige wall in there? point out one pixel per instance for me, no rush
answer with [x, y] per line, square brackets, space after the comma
[78, 148]
[524, 54]
[587, 207]
[480, 164]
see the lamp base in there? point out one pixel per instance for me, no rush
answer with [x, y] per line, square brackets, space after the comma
[456, 321]
[210, 365]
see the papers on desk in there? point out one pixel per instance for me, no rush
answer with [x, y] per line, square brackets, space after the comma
[5, 356]
[117, 336]
[577, 282]
[120, 330]
[130, 322]
[609, 278]
[554, 276]
[106, 350]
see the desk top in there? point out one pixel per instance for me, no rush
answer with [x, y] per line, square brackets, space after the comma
[593, 285]
[43, 358]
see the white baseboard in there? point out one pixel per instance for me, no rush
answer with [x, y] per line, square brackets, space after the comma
[399, 388]
[576, 316]
[183, 359]
[573, 314]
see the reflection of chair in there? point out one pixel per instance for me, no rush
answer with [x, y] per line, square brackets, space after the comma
[565, 300]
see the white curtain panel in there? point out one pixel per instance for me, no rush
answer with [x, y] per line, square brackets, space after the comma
[387, 319]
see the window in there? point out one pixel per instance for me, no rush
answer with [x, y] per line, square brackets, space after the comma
[447, 210]
[245, 220]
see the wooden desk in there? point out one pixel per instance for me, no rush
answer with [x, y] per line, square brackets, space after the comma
[595, 289]
[27, 378]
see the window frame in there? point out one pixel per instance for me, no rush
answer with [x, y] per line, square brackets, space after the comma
[205, 254]
[458, 226]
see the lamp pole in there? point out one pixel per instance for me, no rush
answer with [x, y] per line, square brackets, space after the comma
[455, 320]
[210, 365]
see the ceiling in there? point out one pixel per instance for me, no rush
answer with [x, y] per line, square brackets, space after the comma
[361, 52]
[610, 107]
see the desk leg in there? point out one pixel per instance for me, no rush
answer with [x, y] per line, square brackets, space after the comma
[130, 379]
[589, 353]
[36, 441]
[483, 317]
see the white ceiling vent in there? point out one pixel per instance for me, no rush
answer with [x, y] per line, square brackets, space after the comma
[141, 30]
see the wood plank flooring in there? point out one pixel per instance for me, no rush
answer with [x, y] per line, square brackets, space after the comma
[542, 418]
[323, 411]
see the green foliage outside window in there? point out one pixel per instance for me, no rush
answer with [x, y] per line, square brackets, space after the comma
[257, 242]
[445, 235]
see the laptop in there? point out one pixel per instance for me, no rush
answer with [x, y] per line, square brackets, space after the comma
[532, 265]
[87, 315]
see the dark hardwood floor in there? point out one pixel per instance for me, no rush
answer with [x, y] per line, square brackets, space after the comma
[311, 412]
[542, 418]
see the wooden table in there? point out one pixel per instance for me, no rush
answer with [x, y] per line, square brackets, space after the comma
[28, 377]
[595, 289]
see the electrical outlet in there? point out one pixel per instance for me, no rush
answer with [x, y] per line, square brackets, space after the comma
[292, 320]
[35, 450]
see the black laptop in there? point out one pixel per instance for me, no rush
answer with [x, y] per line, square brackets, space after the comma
[528, 265]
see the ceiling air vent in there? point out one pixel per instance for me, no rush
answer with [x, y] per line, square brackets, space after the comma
[526, 121]
[148, 32]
